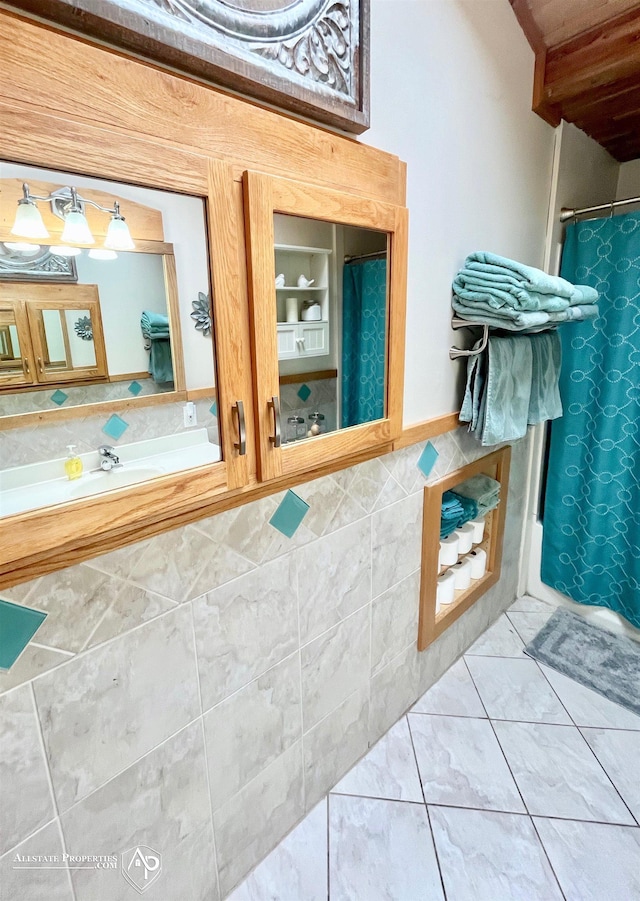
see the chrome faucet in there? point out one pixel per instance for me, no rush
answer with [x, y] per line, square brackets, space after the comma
[109, 459]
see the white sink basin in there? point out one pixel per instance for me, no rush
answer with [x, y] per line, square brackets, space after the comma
[44, 484]
[96, 482]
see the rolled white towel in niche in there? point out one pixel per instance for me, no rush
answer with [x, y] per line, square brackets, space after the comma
[445, 591]
[478, 562]
[449, 550]
[478, 530]
[291, 308]
[465, 538]
[462, 572]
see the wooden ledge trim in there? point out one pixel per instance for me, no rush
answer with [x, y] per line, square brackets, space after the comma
[421, 431]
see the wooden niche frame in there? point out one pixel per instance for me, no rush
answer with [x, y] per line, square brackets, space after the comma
[431, 623]
[307, 56]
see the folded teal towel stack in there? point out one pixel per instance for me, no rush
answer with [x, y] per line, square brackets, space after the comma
[482, 489]
[510, 295]
[452, 514]
[456, 510]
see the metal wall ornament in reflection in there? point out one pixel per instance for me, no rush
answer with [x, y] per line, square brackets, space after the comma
[37, 264]
[202, 314]
[84, 328]
[308, 56]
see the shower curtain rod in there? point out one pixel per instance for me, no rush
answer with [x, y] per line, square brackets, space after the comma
[365, 256]
[566, 213]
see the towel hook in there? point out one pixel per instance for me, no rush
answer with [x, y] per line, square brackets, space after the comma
[456, 323]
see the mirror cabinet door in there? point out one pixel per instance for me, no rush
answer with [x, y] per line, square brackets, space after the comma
[321, 265]
[16, 357]
[126, 334]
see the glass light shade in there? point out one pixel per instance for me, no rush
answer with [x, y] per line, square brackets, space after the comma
[100, 254]
[76, 229]
[28, 222]
[62, 250]
[118, 236]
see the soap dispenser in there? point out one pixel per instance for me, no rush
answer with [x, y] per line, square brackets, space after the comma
[73, 463]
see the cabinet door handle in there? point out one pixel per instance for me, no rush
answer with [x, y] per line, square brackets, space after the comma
[274, 404]
[40, 366]
[241, 444]
[25, 366]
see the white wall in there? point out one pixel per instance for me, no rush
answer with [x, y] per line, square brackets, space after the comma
[629, 181]
[451, 85]
[128, 286]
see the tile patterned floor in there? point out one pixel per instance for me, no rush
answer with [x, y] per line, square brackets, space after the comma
[505, 781]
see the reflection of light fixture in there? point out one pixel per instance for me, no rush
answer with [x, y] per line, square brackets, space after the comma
[64, 250]
[99, 254]
[69, 206]
[20, 247]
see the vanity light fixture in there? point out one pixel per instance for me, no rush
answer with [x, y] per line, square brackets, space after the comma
[68, 205]
[22, 247]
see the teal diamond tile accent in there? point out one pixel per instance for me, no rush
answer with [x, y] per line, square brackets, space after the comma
[18, 625]
[290, 513]
[115, 427]
[427, 459]
[59, 397]
[135, 388]
[214, 408]
[303, 393]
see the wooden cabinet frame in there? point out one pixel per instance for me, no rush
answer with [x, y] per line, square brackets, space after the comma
[120, 119]
[432, 623]
[264, 196]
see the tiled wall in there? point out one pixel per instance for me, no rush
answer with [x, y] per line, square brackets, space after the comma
[12, 403]
[322, 398]
[199, 691]
[49, 440]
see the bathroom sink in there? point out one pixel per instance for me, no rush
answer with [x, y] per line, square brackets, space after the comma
[96, 482]
[43, 484]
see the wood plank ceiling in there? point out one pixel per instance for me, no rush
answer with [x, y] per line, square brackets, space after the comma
[587, 67]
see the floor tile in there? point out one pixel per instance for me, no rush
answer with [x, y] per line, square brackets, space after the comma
[381, 851]
[593, 862]
[297, 868]
[588, 708]
[461, 763]
[527, 604]
[454, 694]
[619, 753]
[513, 689]
[557, 773]
[388, 771]
[500, 640]
[529, 623]
[472, 851]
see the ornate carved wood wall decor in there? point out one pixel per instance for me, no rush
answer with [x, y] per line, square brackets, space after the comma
[308, 56]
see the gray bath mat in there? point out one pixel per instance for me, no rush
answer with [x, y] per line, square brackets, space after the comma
[609, 664]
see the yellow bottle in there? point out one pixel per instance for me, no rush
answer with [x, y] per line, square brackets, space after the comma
[73, 463]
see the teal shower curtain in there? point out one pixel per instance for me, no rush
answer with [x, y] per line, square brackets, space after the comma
[364, 329]
[591, 534]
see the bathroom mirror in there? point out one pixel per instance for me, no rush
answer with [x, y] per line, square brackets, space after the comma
[106, 337]
[331, 300]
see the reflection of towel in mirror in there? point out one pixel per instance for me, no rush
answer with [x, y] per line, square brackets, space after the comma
[155, 328]
[154, 325]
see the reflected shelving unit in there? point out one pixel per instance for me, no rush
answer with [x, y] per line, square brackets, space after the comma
[301, 338]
